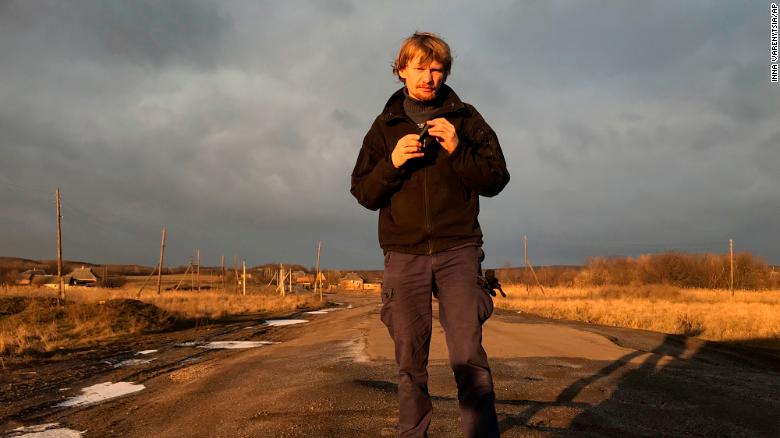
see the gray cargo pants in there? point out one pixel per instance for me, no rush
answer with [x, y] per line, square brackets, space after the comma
[455, 277]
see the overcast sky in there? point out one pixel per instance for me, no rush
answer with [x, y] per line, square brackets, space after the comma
[628, 127]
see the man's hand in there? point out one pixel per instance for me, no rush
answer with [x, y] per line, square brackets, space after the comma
[408, 147]
[444, 132]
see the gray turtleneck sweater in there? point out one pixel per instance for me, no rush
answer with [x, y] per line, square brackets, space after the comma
[421, 111]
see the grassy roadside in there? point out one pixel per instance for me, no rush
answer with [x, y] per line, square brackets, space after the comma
[748, 317]
[33, 323]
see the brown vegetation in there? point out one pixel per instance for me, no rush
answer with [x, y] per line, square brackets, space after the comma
[709, 271]
[706, 313]
[32, 321]
[549, 276]
[41, 324]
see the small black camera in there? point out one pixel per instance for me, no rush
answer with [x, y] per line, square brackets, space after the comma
[424, 136]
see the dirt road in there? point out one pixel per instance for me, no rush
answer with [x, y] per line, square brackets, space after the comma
[333, 376]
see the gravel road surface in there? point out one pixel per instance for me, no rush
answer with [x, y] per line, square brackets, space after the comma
[333, 376]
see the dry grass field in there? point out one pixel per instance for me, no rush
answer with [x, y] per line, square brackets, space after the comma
[31, 320]
[171, 280]
[748, 316]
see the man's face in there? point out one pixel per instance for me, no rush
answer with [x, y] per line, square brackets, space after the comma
[422, 80]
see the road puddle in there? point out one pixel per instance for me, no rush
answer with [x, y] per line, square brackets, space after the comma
[234, 345]
[283, 322]
[225, 345]
[356, 350]
[132, 362]
[187, 344]
[324, 311]
[101, 392]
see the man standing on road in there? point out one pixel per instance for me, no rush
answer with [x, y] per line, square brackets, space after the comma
[426, 186]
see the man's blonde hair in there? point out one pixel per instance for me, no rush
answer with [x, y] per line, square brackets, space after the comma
[429, 46]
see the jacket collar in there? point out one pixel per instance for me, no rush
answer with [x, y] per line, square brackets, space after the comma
[394, 108]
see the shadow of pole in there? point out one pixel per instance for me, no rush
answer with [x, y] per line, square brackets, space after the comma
[566, 397]
[712, 391]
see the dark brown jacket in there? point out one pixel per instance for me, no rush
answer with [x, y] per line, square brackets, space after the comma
[431, 203]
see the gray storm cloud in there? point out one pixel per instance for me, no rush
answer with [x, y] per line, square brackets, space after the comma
[628, 128]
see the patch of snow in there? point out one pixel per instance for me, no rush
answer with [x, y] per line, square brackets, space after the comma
[325, 311]
[147, 352]
[250, 327]
[233, 345]
[64, 389]
[36, 428]
[101, 392]
[131, 362]
[48, 430]
[187, 344]
[281, 322]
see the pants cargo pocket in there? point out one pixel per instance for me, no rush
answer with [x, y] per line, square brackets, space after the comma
[485, 299]
[485, 292]
[386, 315]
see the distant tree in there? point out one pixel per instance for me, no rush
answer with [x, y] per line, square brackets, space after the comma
[680, 270]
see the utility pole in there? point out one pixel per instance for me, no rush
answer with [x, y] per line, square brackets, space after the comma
[143, 285]
[528, 264]
[280, 280]
[525, 258]
[731, 262]
[243, 281]
[192, 274]
[183, 277]
[317, 272]
[198, 274]
[157, 268]
[235, 273]
[59, 246]
[162, 259]
[222, 272]
[272, 280]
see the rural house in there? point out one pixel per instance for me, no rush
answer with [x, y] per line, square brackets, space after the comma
[83, 277]
[26, 278]
[307, 280]
[372, 281]
[351, 281]
[298, 274]
[51, 281]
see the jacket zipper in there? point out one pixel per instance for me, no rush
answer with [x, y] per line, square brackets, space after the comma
[428, 222]
[428, 226]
